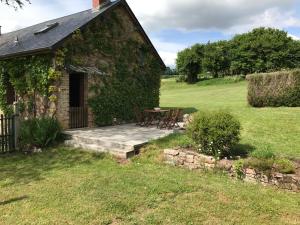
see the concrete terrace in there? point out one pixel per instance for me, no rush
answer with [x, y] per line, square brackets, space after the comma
[122, 141]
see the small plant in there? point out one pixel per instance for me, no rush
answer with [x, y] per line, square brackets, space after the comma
[284, 166]
[263, 154]
[185, 142]
[39, 132]
[239, 169]
[264, 165]
[215, 133]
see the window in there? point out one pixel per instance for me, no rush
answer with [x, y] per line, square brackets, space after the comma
[10, 94]
[47, 28]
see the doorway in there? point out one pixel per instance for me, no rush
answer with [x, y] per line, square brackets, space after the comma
[78, 110]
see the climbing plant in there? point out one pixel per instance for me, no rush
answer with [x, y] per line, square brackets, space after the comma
[113, 45]
[132, 71]
[33, 79]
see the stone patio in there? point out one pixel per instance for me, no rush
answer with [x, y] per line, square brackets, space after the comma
[122, 141]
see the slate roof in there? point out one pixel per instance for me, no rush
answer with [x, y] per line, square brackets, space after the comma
[31, 43]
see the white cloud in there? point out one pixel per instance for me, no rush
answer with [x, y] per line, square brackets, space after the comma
[294, 37]
[226, 15]
[168, 51]
[273, 17]
[38, 11]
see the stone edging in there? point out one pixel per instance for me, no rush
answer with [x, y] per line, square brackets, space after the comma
[193, 161]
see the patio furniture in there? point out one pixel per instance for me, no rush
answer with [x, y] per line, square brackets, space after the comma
[164, 122]
[139, 116]
[154, 115]
[174, 119]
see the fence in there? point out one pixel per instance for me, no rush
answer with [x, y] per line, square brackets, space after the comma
[7, 133]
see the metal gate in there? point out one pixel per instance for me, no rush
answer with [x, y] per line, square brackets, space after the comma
[7, 133]
[78, 117]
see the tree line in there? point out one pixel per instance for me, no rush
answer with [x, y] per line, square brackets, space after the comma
[260, 50]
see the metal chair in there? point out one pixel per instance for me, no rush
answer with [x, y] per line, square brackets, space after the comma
[139, 116]
[175, 119]
[164, 122]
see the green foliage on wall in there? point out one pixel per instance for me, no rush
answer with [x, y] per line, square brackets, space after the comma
[31, 78]
[132, 71]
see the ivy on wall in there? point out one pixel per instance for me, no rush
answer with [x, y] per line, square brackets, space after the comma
[111, 44]
[34, 79]
[133, 72]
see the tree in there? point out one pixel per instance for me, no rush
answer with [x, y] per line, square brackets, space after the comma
[169, 71]
[216, 58]
[263, 50]
[15, 3]
[189, 62]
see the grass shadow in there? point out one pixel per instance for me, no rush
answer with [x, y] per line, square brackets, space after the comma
[12, 200]
[186, 110]
[242, 150]
[18, 168]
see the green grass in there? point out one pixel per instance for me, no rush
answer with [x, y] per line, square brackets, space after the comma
[65, 186]
[277, 129]
[62, 186]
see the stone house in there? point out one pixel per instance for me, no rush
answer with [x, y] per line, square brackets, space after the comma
[96, 47]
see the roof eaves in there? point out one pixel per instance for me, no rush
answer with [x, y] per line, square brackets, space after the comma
[27, 53]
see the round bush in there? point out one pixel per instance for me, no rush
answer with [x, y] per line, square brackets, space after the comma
[215, 133]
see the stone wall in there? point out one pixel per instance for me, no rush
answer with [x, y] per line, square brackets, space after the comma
[193, 160]
[62, 111]
[83, 49]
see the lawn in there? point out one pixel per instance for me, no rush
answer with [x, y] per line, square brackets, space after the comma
[277, 129]
[62, 186]
[66, 186]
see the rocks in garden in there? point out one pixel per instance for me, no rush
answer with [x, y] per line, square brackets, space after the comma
[225, 164]
[171, 152]
[193, 160]
[188, 159]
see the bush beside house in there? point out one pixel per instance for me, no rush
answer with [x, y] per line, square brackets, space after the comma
[274, 89]
[39, 133]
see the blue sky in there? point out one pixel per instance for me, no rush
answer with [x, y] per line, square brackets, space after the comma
[174, 25]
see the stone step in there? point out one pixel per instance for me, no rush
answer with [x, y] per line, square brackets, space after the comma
[102, 143]
[116, 149]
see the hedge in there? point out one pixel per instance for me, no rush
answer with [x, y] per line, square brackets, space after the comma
[274, 89]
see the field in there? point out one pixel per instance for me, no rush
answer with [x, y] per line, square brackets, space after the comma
[62, 186]
[66, 186]
[277, 129]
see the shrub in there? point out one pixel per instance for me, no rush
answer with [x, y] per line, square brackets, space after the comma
[214, 132]
[274, 89]
[263, 154]
[259, 164]
[284, 166]
[39, 132]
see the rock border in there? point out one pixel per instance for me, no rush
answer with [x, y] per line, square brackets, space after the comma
[195, 161]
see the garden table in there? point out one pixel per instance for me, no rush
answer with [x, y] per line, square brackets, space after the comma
[154, 115]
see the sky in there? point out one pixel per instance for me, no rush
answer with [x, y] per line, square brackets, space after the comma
[173, 25]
